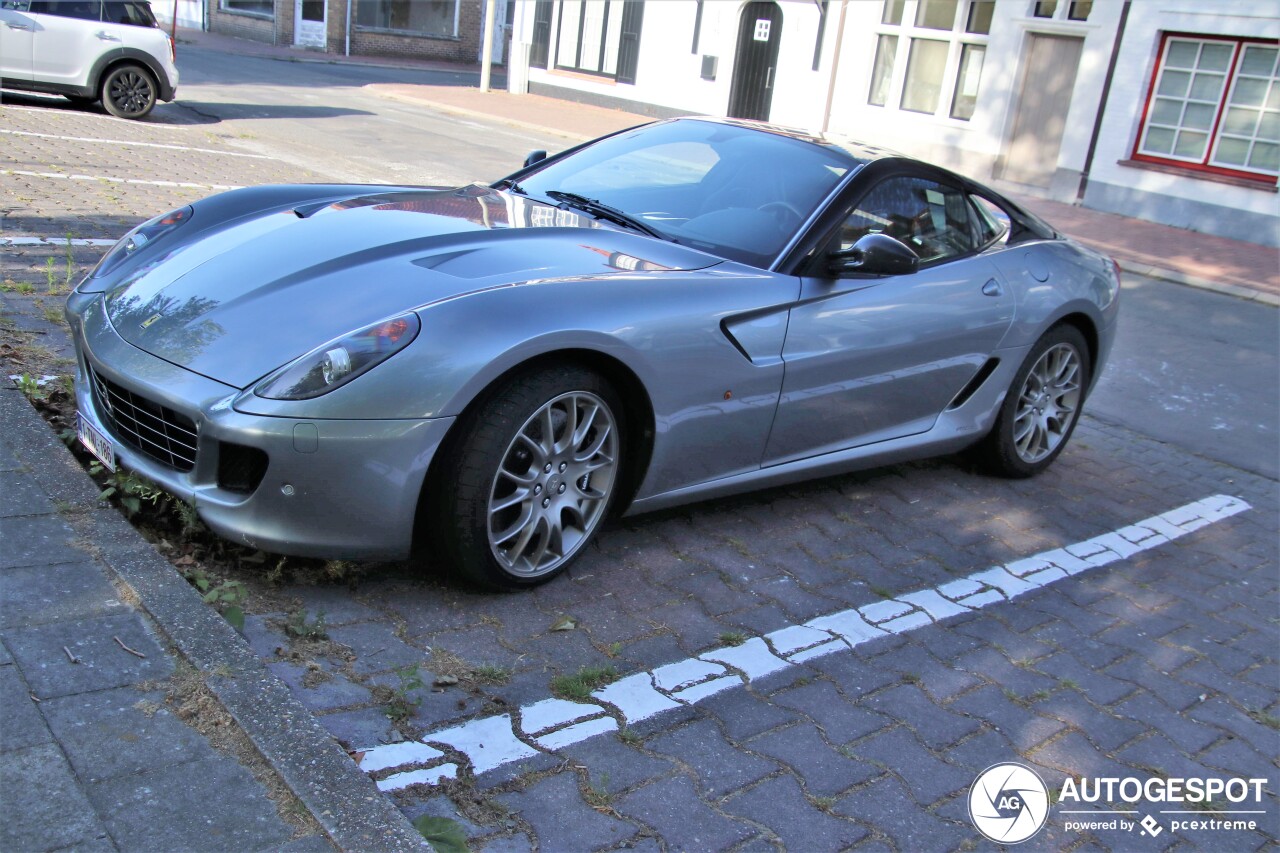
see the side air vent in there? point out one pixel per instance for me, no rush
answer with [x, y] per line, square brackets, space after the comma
[971, 388]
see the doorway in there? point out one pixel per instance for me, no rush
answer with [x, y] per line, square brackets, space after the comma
[309, 26]
[756, 64]
[1048, 80]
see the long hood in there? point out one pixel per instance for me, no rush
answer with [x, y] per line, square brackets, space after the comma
[242, 300]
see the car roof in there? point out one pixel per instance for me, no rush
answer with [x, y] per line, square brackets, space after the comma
[858, 152]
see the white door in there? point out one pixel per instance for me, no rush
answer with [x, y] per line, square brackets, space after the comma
[17, 31]
[69, 36]
[1031, 153]
[309, 26]
[500, 27]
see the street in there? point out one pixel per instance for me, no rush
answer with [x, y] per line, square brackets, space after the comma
[1151, 655]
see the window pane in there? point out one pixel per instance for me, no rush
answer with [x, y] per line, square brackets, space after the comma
[1266, 157]
[1167, 111]
[1232, 152]
[1190, 144]
[1273, 97]
[567, 48]
[930, 218]
[592, 28]
[1216, 56]
[1159, 141]
[967, 79]
[1241, 122]
[1045, 8]
[892, 13]
[1079, 10]
[1269, 127]
[1199, 116]
[430, 17]
[1207, 87]
[1174, 83]
[613, 37]
[923, 87]
[980, 12]
[1250, 92]
[1182, 54]
[1260, 61]
[882, 73]
[936, 14]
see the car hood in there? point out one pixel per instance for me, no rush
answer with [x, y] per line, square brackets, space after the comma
[243, 299]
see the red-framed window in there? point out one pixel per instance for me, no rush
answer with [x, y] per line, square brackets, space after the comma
[1214, 106]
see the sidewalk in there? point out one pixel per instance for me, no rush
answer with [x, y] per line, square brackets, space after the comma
[134, 717]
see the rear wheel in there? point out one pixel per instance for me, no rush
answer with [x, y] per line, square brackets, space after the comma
[530, 479]
[129, 91]
[1042, 407]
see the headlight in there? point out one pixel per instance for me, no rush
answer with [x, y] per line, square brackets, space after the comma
[339, 361]
[144, 235]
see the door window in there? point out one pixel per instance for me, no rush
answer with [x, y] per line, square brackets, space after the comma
[85, 10]
[932, 218]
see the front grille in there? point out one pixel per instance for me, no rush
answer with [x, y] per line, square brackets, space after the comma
[148, 427]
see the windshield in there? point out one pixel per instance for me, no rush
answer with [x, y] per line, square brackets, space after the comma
[733, 191]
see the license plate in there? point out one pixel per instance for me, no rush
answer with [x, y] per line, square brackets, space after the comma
[96, 443]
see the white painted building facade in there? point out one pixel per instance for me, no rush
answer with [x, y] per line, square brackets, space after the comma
[1163, 109]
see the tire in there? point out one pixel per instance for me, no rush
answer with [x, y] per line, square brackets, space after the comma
[129, 91]
[1042, 407]
[511, 508]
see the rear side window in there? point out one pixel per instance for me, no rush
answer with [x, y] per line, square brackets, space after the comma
[131, 12]
[990, 222]
[932, 218]
[84, 10]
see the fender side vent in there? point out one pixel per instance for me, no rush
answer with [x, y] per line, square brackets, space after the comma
[975, 383]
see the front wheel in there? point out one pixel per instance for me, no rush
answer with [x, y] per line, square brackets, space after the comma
[129, 92]
[1042, 407]
[530, 478]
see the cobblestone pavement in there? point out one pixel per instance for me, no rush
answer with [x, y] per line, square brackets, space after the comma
[1160, 664]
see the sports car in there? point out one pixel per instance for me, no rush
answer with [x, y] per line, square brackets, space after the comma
[678, 311]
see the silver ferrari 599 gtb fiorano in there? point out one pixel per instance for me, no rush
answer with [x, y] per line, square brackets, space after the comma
[682, 310]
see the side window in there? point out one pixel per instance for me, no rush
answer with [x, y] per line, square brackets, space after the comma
[85, 10]
[128, 12]
[15, 5]
[990, 222]
[932, 218]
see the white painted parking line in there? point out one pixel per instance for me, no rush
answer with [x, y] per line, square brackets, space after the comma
[132, 144]
[111, 180]
[56, 242]
[491, 742]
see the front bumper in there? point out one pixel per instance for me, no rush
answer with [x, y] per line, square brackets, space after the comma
[338, 489]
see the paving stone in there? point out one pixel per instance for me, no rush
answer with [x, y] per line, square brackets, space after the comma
[1237, 757]
[780, 804]
[720, 767]
[20, 494]
[41, 653]
[671, 807]
[940, 681]
[1173, 692]
[23, 725]
[1071, 754]
[928, 778]
[839, 719]
[337, 604]
[1156, 753]
[1099, 688]
[613, 766]
[377, 648]
[824, 771]
[36, 541]
[979, 752]
[34, 595]
[44, 807]
[561, 819]
[518, 843]
[359, 729]
[150, 811]
[328, 690]
[441, 806]
[743, 714]
[1024, 729]
[112, 733]
[1109, 731]
[855, 675]
[995, 667]
[885, 805]
[934, 725]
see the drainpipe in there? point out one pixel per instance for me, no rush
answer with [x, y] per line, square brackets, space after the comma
[1102, 104]
[486, 55]
[835, 67]
[346, 48]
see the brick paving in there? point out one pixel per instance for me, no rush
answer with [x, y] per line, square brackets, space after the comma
[1163, 663]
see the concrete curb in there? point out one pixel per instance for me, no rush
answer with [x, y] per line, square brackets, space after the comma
[343, 800]
[1239, 291]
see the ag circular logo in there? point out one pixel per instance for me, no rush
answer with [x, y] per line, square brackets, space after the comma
[1008, 803]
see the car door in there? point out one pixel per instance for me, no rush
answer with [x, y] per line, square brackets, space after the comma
[872, 358]
[17, 29]
[69, 38]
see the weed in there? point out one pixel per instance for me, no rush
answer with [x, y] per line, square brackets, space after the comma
[1038, 695]
[53, 314]
[614, 650]
[911, 678]
[732, 638]
[882, 591]
[298, 625]
[227, 596]
[824, 803]
[336, 570]
[1069, 683]
[1269, 720]
[445, 835]
[488, 673]
[51, 274]
[31, 387]
[187, 517]
[26, 288]
[71, 264]
[401, 706]
[629, 737]
[578, 687]
[127, 488]
[598, 796]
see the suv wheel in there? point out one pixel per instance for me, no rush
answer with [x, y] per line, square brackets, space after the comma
[129, 91]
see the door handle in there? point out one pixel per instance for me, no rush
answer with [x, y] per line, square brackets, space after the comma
[106, 36]
[14, 26]
[992, 288]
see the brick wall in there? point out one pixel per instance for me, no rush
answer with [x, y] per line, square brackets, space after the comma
[244, 26]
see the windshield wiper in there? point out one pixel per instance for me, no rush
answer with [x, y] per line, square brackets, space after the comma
[508, 184]
[603, 211]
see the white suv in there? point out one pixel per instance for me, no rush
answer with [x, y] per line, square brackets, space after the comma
[88, 50]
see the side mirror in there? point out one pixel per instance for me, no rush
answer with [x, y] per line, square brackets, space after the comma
[874, 254]
[535, 156]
